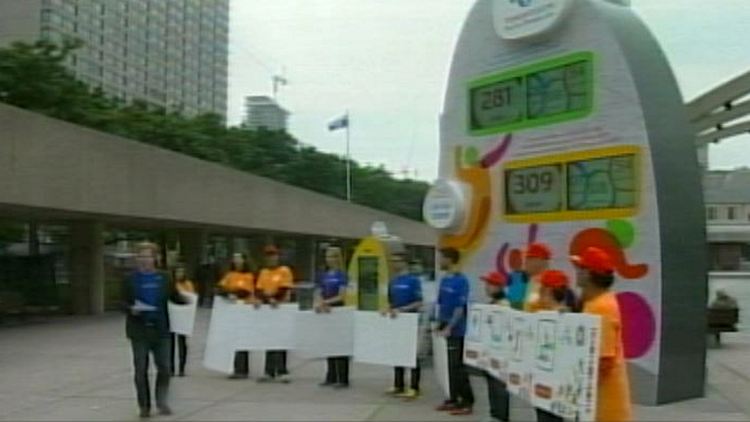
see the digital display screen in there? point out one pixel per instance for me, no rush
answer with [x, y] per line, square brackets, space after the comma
[499, 103]
[549, 92]
[559, 90]
[534, 190]
[602, 183]
[367, 283]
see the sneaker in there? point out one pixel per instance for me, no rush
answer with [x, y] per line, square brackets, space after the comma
[410, 394]
[284, 379]
[144, 413]
[394, 391]
[447, 406]
[462, 411]
[164, 410]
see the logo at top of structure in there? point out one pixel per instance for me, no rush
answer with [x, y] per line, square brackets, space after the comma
[518, 19]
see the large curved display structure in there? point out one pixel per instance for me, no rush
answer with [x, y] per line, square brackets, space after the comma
[563, 123]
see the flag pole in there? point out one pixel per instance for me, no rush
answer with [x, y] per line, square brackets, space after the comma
[348, 162]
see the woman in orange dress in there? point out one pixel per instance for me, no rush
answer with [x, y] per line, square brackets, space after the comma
[595, 277]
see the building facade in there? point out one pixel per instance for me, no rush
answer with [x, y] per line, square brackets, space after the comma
[168, 53]
[727, 196]
[265, 113]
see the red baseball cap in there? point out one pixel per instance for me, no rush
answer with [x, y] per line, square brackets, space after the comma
[494, 278]
[539, 250]
[554, 279]
[595, 260]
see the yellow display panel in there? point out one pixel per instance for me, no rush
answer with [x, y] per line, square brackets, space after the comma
[369, 276]
[594, 184]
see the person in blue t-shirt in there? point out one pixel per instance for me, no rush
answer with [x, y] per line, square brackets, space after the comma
[145, 295]
[332, 293]
[404, 295]
[452, 302]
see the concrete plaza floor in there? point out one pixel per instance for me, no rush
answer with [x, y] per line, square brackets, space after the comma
[80, 369]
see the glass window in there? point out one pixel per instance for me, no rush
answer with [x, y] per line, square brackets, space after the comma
[712, 214]
[731, 213]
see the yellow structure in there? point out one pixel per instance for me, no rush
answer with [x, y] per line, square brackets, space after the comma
[370, 272]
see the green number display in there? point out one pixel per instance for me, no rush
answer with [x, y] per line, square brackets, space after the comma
[602, 183]
[549, 92]
[533, 190]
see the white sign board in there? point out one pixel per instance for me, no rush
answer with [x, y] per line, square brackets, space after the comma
[477, 336]
[567, 356]
[498, 342]
[440, 363]
[320, 335]
[182, 317]
[382, 340]
[238, 326]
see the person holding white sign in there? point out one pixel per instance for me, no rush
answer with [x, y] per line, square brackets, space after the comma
[453, 297]
[497, 391]
[274, 286]
[183, 285]
[595, 273]
[332, 291]
[404, 295]
[239, 284]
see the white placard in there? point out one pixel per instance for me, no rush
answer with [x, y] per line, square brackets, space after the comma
[267, 328]
[440, 363]
[220, 342]
[566, 384]
[182, 317]
[477, 330]
[238, 326]
[521, 358]
[382, 340]
[498, 342]
[321, 335]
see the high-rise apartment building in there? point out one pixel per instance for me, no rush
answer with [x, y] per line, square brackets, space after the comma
[263, 112]
[169, 53]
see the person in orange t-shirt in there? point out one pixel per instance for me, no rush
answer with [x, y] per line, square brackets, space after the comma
[239, 284]
[274, 286]
[595, 272]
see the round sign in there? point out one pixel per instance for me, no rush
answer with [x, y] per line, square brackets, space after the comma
[444, 206]
[517, 19]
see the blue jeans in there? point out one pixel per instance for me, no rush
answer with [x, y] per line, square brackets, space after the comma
[160, 349]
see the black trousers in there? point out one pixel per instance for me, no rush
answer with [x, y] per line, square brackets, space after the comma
[242, 363]
[179, 341]
[460, 386]
[399, 375]
[499, 399]
[337, 370]
[276, 363]
[545, 416]
[157, 347]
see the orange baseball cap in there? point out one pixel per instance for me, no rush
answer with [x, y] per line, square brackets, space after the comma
[595, 260]
[494, 278]
[554, 279]
[539, 250]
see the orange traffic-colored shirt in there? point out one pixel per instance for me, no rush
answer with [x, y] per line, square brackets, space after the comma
[532, 303]
[185, 286]
[236, 281]
[613, 401]
[272, 280]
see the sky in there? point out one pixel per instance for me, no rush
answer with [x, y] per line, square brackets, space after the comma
[387, 61]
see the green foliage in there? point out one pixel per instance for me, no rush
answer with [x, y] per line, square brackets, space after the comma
[34, 77]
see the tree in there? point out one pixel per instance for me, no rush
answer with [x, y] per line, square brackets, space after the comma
[34, 77]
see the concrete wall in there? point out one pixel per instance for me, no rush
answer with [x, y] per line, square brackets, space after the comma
[19, 21]
[69, 171]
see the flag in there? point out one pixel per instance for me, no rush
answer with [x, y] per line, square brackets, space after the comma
[340, 123]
